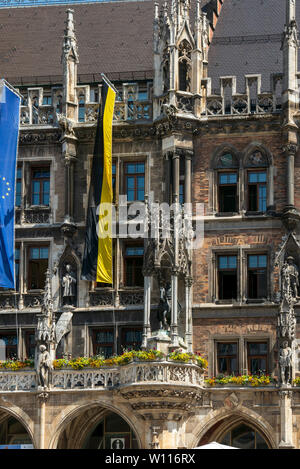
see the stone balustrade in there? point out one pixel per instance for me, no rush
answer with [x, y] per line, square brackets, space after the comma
[124, 111]
[160, 372]
[17, 381]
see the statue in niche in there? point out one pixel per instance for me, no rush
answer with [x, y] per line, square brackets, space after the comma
[285, 363]
[69, 282]
[164, 307]
[289, 279]
[44, 367]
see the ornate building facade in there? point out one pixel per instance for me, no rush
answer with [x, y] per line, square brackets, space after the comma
[206, 119]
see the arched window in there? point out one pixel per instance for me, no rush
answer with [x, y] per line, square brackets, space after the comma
[257, 181]
[226, 176]
[184, 64]
[244, 436]
[184, 79]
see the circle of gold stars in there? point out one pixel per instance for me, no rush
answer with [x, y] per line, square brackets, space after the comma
[7, 189]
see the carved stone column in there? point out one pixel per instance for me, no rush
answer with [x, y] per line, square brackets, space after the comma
[43, 398]
[69, 187]
[168, 196]
[147, 310]
[290, 215]
[67, 119]
[290, 151]
[188, 178]
[286, 420]
[174, 313]
[188, 314]
[176, 168]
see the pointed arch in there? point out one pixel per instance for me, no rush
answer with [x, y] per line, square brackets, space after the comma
[225, 156]
[227, 418]
[21, 417]
[72, 412]
[257, 155]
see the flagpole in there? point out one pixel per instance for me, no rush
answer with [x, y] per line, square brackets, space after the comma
[109, 83]
[3, 81]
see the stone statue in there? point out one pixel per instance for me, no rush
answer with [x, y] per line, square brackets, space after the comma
[164, 307]
[285, 363]
[289, 279]
[44, 367]
[69, 286]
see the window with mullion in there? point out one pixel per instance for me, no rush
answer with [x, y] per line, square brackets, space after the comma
[227, 358]
[40, 186]
[257, 354]
[257, 191]
[135, 181]
[257, 276]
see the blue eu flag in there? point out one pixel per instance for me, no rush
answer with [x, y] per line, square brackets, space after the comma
[9, 131]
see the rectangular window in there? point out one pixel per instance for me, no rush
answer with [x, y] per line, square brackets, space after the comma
[47, 100]
[103, 342]
[8, 345]
[40, 187]
[227, 358]
[29, 344]
[81, 109]
[227, 192]
[37, 267]
[257, 276]
[135, 181]
[131, 338]
[18, 187]
[227, 277]
[257, 353]
[257, 191]
[133, 260]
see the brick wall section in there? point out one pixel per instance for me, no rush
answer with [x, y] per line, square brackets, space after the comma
[269, 240]
[206, 145]
[207, 329]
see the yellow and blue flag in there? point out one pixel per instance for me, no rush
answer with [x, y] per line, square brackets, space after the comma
[97, 259]
[9, 133]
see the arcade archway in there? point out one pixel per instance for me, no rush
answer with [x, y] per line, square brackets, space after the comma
[98, 428]
[238, 433]
[12, 431]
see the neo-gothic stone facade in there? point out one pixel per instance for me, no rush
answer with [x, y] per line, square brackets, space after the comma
[181, 133]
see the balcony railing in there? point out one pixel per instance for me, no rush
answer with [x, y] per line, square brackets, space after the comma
[164, 372]
[125, 111]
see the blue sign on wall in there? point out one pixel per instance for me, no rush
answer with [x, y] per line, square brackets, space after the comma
[16, 446]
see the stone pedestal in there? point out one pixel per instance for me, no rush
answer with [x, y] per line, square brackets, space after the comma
[161, 341]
